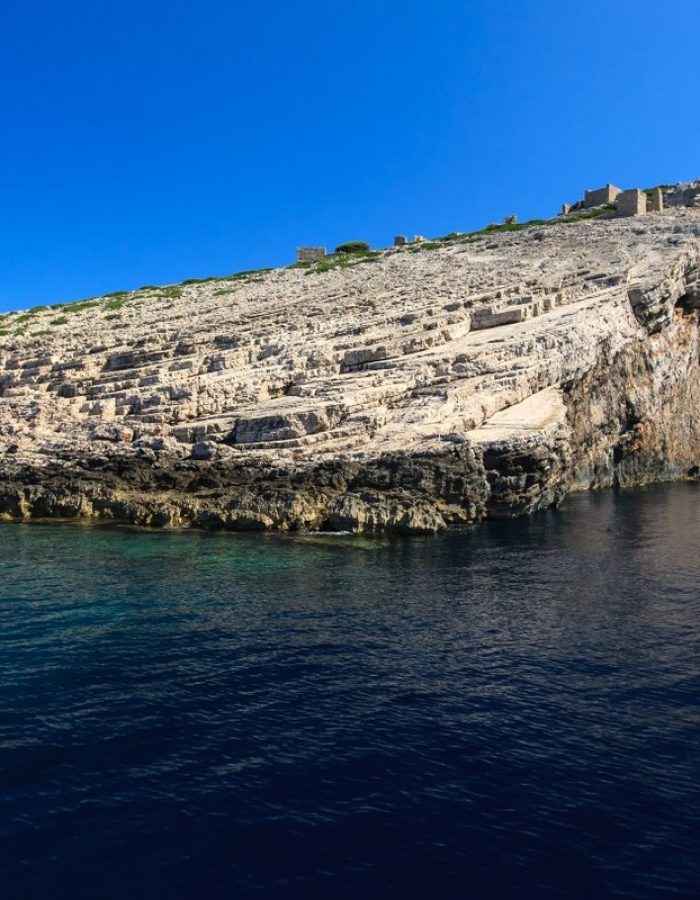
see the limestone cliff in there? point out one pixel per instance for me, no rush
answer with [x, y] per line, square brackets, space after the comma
[423, 386]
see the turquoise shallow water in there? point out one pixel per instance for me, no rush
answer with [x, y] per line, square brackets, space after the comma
[511, 711]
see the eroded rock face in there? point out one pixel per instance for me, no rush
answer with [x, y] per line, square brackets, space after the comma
[421, 389]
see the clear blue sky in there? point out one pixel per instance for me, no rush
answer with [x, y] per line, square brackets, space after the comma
[152, 141]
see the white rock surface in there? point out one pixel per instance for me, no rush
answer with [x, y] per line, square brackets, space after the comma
[457, 352]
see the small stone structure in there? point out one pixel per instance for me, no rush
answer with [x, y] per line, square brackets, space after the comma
[418, 239]
[632, 203]
[511, 220]
[656, 202]
[310, 254]
[400, 240]
[601, 196]
[565, 209]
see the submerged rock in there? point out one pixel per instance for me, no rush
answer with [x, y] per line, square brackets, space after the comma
[434, 385]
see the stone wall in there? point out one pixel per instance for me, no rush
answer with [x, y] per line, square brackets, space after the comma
[601, 196]
[310, 254]
[656, 201]
[632, 203]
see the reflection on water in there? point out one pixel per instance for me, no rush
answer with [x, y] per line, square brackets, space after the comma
[508, 711]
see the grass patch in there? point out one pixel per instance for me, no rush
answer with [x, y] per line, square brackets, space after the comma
[80, 306]
[236, 276]
[168, 292]
[115, 304]
[248, 273]
[172, 292]
[59, 320]
[472, 236]
[76, 305]
[115, 301]
[583, 216]
[426, 245]
[342, 261]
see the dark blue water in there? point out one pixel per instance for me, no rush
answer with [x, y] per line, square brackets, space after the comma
[508, 712]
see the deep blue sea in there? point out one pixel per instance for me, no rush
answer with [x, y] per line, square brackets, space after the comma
[511, 711]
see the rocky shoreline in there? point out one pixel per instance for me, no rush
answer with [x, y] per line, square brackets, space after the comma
[408, 392]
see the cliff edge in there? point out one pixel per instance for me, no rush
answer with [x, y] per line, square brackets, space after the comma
[427, 385]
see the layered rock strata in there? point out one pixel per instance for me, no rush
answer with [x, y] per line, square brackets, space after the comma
[428, 386]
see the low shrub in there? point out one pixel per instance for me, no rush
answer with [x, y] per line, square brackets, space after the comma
[172, 292]
[342, 261]
[425, 245]
[116, 302]
[80, 306]
[248, 273]
[353, 247]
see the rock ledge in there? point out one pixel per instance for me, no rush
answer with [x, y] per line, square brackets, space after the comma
[414, 390]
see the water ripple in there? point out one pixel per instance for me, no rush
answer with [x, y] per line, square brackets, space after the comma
[510, 711]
